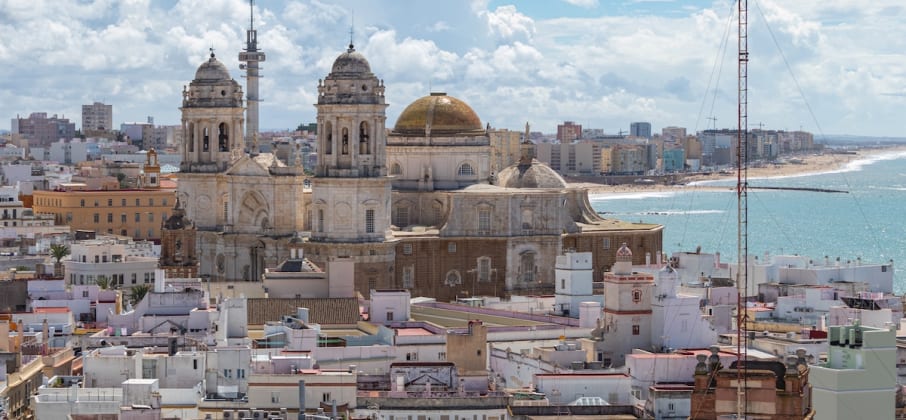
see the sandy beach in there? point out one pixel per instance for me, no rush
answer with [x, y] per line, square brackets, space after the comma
[798, 165]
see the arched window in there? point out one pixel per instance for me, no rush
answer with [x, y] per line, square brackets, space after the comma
[205, 140]
[396, 169]
[345, 149]
[364, 144]
[223, 139]
[466, 169]
[328, 146]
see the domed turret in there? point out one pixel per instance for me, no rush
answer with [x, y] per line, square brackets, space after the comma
[351, 62]
[212, 71]
[533, 175]
[623, 266]
[438, 114]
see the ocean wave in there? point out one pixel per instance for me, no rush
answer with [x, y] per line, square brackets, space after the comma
[630, 195]
[675, 212]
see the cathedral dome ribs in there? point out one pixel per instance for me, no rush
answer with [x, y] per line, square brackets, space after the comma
[438, 115]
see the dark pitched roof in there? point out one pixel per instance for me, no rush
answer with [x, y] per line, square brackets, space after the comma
[320, 310]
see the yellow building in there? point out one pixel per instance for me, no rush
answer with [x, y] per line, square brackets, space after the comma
[137, 213]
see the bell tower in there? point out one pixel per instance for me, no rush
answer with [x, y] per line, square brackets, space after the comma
[212, 119]
[350, 204]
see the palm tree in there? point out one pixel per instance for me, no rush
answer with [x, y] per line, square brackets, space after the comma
[103, 282]
[58, 252]
[138, 292]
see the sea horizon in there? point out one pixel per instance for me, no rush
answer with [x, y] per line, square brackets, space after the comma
[861, 223]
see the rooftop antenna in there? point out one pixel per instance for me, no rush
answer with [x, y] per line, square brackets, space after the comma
[742, 203]
[713, 119]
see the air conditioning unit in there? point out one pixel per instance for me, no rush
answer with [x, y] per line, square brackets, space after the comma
[228, 415]
[258, 415]
[244, 414]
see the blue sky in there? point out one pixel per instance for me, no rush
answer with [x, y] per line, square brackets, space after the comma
[600, 63]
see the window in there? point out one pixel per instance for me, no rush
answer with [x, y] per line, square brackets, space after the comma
[134, 277]
[275, 397]
[151, 202]
[123, 202]
[563, 284]
[407, 249]
[81, 203]
[97, 218]
[138, 202]
[109, 217]
[109, 202]
[320, 220]
[526, 219]
[484, 269]
[451, 247]
[165, 202]
[84, 293]
[325, 397]
[442, 355]
[402, 217]
[226, 211]
[147, 277]
[68, 217]
[150, 217]
[96, 203]
[390, 315]
[138, 217]
[637, 295]
[484, 221]
[396, 169]
[466, 169]
[408, 277]
[240, 373]
[369, 221]
[123, 218]
[527, 266]
[605, 243]
[227, 373]
[635, 330]
[412, 356]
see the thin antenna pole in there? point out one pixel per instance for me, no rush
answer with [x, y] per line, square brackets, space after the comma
[742, 180]
[352, 29]
[251, 14]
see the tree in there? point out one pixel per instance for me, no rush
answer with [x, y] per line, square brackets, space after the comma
[138, 292]
[103, 282]
[58, 252]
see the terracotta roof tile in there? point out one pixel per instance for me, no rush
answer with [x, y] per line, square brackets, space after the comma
[320, 310]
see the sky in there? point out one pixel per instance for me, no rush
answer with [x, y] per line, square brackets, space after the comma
[825, 66]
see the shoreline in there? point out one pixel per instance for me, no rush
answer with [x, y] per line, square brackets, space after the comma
[808, 165]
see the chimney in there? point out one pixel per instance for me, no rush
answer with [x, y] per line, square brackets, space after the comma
[301, 400]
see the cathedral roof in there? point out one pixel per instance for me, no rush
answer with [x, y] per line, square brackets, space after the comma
[351, 62]
[212, 71]
[436, 114]
[533, 175]
[178, 219]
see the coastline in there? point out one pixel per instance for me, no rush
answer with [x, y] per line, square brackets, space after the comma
[808, 165]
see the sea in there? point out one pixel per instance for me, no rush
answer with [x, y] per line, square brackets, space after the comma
[867, 220]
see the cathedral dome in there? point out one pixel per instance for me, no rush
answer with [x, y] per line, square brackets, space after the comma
[534, 175]
[351, 61]
[212, 71]
[438, 113]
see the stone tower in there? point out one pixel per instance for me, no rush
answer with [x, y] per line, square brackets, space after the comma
[350, 205]
[151, 171]
[177, 245]
[211, 120]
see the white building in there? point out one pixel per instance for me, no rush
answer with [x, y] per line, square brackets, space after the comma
[859, 378]
[574, 276]
[120, 260]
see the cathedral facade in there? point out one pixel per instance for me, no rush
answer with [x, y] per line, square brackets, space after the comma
[439, 204]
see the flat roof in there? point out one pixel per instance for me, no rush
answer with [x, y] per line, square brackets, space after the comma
[448, 318]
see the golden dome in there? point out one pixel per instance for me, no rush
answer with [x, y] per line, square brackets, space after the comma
[438, 114]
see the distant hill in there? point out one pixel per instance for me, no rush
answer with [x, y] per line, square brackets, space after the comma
[838, 139]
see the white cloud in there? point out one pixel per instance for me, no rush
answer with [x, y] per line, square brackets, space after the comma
[588, 4]
[509, 63]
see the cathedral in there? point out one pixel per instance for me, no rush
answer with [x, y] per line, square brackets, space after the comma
[439, 204]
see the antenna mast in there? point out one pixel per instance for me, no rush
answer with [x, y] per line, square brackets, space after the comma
[249, 62]
[742, 235]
